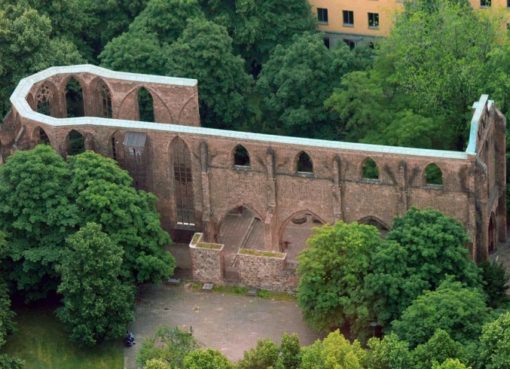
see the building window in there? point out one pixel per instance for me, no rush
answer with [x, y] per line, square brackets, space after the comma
[349, 17]
[241, 157]
[304, 164]
[350, 43]
[326, 42]
[322, 15]
[373, 20]
[486, 3]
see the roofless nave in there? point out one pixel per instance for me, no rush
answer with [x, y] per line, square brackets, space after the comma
[252, 190]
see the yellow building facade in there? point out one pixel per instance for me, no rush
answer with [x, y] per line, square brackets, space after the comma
[354, 20]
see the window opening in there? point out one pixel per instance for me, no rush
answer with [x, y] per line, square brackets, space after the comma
[241, 156]
[304, 163]
[74, 99]
[145, 105]
[433, 175]
[370, 170]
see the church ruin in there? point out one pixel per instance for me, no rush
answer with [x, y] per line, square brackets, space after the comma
[252, 199]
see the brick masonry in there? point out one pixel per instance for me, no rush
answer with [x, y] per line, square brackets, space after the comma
[473, 190]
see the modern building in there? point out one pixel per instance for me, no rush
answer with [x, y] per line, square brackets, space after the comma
[351, 21]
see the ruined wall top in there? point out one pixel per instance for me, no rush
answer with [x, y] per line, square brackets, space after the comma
[22, 107]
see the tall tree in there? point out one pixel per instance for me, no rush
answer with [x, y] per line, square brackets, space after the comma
[105, 195]
[204, 51]
[458, 310]
[287, 79]
[206, 359]
[97, 304]
[37, 214]
[6, 314]
[332, 273]
[495, 344]
[28, 46]
[436, 62]
[427, 247]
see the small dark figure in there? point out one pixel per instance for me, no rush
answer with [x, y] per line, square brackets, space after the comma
[129, 340]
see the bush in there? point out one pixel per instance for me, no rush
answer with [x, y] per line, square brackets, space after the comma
[206, 359]
[169, 345]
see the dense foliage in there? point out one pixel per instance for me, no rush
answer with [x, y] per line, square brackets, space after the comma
[332, 273]
[426, 247]
[97, 304]
[44, 200]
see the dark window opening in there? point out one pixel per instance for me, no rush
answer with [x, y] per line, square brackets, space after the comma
[326, 42]
[74, 99]
[114, 149]
[42, 137]
[322, 15]
[373, 20]
[304, 163]
[43, 98]
[241, 156]
[433, 175]
[350, 43]
[75, 143]
[183, 176]
[370, 170]
[145, 105]
[486, 3]
[105, 96]
[348, 16]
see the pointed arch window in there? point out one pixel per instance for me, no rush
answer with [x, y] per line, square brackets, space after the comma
[74, 99]
[42, 137]
[43, 100]
[75, 143]
[304, 164]
[145, 105]
[105, 100]
[241, 157]
[183, 177]
[369, 170]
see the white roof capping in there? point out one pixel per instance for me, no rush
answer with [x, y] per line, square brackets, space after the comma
[18, 100]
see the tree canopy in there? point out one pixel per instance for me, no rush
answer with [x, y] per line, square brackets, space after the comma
[98, 305]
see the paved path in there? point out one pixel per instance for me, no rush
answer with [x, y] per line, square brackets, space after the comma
[229, 323]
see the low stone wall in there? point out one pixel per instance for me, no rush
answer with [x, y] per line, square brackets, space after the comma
[206, 260]
[267, 270]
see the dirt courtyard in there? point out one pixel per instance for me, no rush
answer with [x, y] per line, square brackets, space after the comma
[226, 322]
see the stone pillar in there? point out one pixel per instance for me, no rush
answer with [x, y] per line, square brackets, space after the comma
[206, 195]
[337, 189]
[403, 188]
[270, 241]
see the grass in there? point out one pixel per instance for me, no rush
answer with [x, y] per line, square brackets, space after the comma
[208, 245]
[270, 254]
[41, 341]
[238, 290]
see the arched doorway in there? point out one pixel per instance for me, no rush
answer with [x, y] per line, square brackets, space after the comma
[241, 228]
[296, 230]
[75, 143]
[74, 99]
[183, 179]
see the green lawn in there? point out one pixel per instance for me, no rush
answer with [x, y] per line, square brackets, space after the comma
[41, 341]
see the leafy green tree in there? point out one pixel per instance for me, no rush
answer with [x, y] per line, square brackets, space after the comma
[104, 193]
[28, 46]
[264, 355]
[436, 62]
[334, 352]
[437, 349]
[6, 314]
[332, 273]
[169, 345]
[37, 214]
[105, 20]
[206, 359]
[97, 305]
[428, 246]
[289, 356]
[495, 344]
[204, 51]
[450, 364]
[292, 71]
[495, 282]
[258, 27]
[144, 47]
[388, 353]
[458, 310]
[8, 362]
